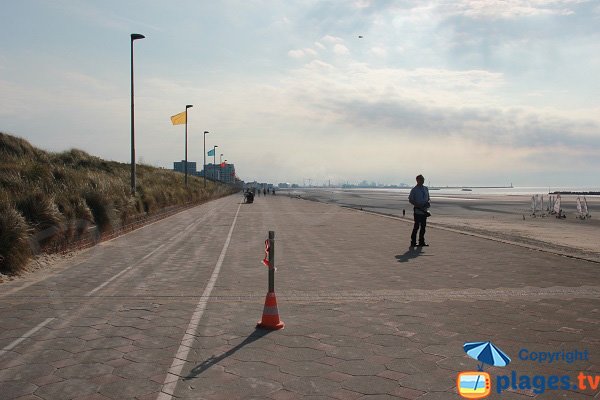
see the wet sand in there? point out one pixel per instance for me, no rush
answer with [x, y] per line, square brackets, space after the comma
[502, 217]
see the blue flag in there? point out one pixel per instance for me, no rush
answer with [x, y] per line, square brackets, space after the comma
[211, 152]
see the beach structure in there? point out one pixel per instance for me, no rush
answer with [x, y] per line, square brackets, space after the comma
[585, 208]
[550, 206]
[537, 206]
[582, 208]
[557, 208]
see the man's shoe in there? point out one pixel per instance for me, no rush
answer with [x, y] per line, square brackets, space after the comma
[413, 244]
[423, 245]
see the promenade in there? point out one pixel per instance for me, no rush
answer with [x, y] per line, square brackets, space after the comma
[169, 311]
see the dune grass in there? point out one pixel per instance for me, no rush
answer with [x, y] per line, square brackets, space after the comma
[49, 198]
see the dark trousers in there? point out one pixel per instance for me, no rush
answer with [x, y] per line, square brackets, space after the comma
[420, 222]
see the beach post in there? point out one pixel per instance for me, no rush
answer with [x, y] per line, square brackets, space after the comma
[270, 318]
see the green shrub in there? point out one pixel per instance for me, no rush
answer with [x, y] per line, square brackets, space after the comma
[57, 196]
[14, 240]
[42, 215]
[101, 208]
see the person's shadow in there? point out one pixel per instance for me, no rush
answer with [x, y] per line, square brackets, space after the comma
[412, 252]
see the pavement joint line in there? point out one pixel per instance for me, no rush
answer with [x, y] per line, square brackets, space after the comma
[169, 384]
[412, 294]
[27, 334]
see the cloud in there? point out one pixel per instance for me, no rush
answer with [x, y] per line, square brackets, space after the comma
[504, 127]
[296, 53]
[320, 46]
[340, 49]
[378, 51]
[332, 39]
[432, 103]
[510, 8]
[310, 52]
[301, 53]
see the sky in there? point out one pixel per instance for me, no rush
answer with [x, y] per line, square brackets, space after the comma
[465, 92]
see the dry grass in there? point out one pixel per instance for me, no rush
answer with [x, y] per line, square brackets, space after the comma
[49, 198]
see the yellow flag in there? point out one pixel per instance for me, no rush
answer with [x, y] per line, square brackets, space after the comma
[178, 119]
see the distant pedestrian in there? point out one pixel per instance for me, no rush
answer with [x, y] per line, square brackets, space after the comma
[403, 212]
[264, 191]
[419, 198]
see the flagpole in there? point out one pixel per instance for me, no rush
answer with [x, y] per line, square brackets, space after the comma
[220, 165]
[186, 152]
[214, 161]
[204, 155]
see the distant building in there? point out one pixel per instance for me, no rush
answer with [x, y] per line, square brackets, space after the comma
[283, 185]
[180, 167]
[220, 172]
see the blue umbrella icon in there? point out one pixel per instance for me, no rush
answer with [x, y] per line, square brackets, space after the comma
[487, 353]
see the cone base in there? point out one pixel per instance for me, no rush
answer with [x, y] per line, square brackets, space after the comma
[261, 325]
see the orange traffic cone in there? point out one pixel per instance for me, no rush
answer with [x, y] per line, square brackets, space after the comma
[270, 318]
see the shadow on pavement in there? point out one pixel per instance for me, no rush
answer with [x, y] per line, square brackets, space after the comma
[412, 252]
[200, 368]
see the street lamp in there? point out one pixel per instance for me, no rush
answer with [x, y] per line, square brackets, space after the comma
[186, 123]
[134, 36]
[204, 153]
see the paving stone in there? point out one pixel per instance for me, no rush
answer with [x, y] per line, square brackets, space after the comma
[359, 368]
[14, 389]
[99, 355]
[369, 385]
[26, 372]
[138, 370]
[349, 353]
[128, 389]
[300, 354]
[429, 381]
[109, 342]
[302, 368]
[312, 386]
[84, 370]
[67, 389]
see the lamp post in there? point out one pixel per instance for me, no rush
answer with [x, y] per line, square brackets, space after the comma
[214, 161]
[186, 123]
[204, 154]
[134, 36]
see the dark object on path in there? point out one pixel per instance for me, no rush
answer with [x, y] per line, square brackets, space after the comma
[403, 212]
[248, 197]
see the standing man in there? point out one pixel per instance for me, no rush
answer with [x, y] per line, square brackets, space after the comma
[419, 198]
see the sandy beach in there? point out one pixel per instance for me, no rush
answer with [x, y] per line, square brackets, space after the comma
[505, 217]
